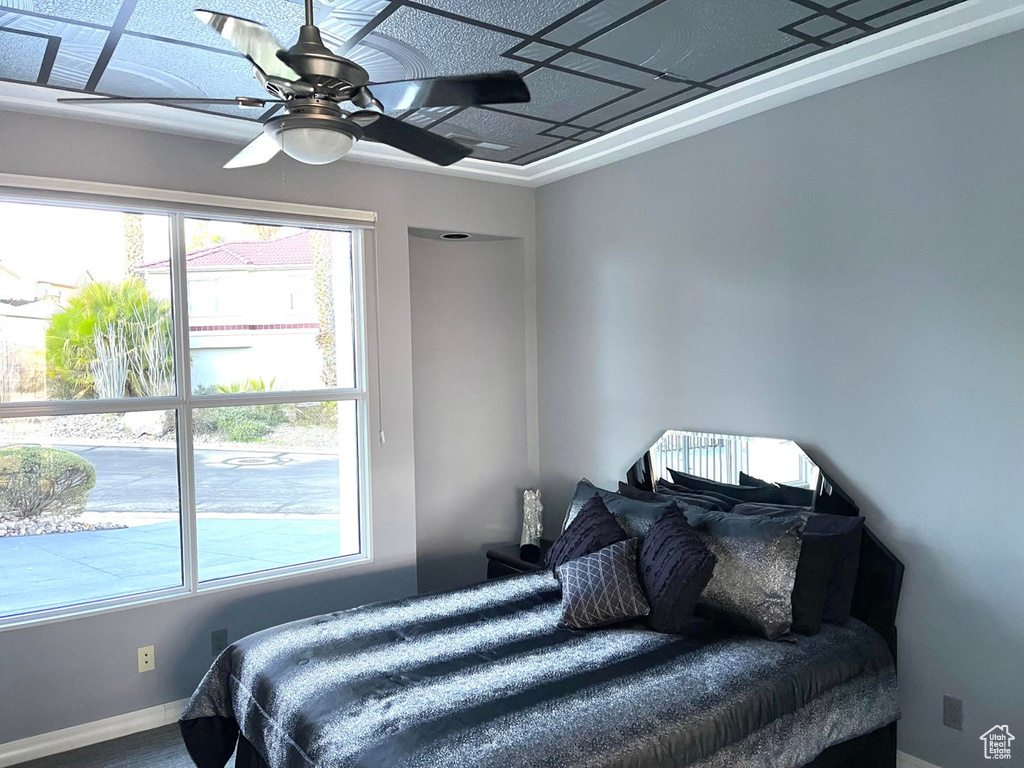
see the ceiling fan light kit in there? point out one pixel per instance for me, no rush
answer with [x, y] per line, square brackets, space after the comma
[313, 82]
[315, 132]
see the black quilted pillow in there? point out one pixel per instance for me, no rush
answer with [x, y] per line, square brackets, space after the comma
[602, 588]
[593, 528]
[675, 566]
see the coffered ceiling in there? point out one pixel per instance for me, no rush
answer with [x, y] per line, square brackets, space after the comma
[593, 66]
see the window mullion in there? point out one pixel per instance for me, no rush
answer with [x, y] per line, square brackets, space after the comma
[183, 380]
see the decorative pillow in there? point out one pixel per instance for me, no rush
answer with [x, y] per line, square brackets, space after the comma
[675, 566]
[593, 528]
[790, 494]
[757, 558]
[769, 494]
[689, 499]
[635, 517]
[602, 588]
[826, 537]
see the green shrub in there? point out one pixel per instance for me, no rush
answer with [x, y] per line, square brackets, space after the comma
[240, 425]
[249, 385]
[43, 481]
[313, 415]
[109, 326]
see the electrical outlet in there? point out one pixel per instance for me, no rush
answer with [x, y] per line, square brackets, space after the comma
[953, 712]
[147, 658]
[218, 641]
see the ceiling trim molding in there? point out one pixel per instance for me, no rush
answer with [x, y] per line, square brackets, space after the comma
[937, 33]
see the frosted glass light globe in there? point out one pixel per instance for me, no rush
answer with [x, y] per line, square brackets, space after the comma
[315, 146]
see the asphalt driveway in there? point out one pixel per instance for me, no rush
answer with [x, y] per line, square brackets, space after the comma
[227, 480]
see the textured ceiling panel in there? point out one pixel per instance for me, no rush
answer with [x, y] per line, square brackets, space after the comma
[594, 20]
[454, 47]
[609, 70]
[78, 51]
[175, 19]
[175, 70]
[96, 11]
[528, 18]
[593, 66]
[698, 39]
[559, 96]
[22, 54]
[504, 137]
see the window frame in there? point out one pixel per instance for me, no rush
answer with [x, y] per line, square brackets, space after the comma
[178, 206]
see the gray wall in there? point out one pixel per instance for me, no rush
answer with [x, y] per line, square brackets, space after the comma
[845, 271]
[85, 669]
[469, 404]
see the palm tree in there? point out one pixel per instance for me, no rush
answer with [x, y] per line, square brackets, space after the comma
[108, 326]
[134, 242]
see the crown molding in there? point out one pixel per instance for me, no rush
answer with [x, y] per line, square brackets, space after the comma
[961, 25]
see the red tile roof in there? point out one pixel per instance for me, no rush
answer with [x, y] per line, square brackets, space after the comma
[292, 250]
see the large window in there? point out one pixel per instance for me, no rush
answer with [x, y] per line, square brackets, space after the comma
[182, 402]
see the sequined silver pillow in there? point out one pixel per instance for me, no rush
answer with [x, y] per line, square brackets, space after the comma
[757, 557]
[602, 588]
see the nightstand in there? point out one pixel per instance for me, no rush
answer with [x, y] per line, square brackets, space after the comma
[505, 561]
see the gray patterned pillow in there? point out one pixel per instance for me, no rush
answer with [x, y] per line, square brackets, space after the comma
[602, 588]
[752, 585]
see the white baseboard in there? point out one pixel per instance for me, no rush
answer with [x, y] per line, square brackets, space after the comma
[55, 742]
[903, 760]
[86, 734]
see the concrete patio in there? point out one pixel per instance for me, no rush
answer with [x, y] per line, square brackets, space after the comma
[38, 572]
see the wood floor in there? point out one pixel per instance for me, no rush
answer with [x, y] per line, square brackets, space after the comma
[159, 748]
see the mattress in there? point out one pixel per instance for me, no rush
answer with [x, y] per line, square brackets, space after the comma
[482, 677]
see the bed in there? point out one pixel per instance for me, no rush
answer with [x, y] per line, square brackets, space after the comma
[483, 677]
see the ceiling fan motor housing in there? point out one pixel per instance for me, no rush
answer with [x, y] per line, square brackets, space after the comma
[313, 113]
[319, 66]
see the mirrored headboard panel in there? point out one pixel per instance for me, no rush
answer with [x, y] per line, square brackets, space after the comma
[723, 457]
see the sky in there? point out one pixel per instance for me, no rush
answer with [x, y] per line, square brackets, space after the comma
[51, 243]
[59, 244]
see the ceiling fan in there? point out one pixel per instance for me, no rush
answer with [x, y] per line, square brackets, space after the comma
[312, 83]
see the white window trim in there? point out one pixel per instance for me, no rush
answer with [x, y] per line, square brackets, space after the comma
[178, 206]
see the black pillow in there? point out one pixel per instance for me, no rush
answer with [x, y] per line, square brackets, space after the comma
[592, 529]
[689, 499]
[726, 503]
[818, 557]
[675, 566]
[757, 559]
[602, 588]
[635, 517]
[846, 532]
[769, 494]
[799, 497]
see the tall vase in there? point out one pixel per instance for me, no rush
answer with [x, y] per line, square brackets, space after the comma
[533, 525]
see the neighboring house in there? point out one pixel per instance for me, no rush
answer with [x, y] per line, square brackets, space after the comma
[25, 312]
[252, 311]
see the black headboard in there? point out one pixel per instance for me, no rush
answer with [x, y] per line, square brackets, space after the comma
[880, 576]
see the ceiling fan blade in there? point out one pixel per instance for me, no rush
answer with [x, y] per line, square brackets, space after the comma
[256, 152]
[460, 91]
[251, 38]
[409, 138]
[238, 101]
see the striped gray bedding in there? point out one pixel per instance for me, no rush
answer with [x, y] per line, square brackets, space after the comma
[481, 678]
